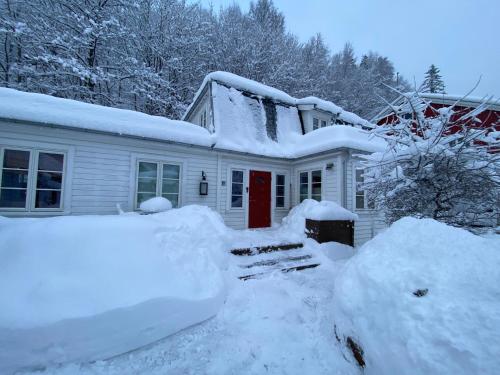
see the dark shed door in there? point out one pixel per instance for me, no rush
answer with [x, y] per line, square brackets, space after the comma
[259, 213]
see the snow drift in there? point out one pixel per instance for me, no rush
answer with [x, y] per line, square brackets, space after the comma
[423, 298]
[90, 287]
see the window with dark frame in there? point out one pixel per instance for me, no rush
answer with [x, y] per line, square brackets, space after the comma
[158, 179]
[236, 189]
[280, 191]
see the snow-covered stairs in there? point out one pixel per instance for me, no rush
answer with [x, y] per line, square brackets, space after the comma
[255, 262]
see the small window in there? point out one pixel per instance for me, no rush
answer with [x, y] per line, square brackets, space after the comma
[280, 191]
[237, 189]
[323, 123]
[315, 123]
[310, 185]
[360, 193]
[158, 179]
[49, 180]
[15, 171]
[203, 119]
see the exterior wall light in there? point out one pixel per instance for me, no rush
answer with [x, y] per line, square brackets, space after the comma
[329, 166]
[203, 184]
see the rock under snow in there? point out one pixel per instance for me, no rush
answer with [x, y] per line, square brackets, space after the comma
[81, 288]
[423, 298]
[156, 204]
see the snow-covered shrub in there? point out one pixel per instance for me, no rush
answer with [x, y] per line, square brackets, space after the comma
[422, 298]
[440, 167]
[80, 288]
[156, 204]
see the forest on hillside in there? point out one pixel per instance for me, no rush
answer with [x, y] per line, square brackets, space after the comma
[152, 55]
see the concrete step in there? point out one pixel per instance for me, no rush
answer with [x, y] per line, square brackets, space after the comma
[248, 251]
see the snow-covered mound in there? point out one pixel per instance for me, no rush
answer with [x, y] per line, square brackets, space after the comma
[156, 204]
[90, 287]
[295, 222]
[423, 298]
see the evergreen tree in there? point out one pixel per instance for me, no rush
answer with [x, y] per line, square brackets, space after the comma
[433, 82]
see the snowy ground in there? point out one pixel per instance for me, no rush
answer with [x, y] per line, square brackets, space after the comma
[279, 324]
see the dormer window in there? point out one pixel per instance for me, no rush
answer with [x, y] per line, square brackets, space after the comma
[203, 119]
[315, 123]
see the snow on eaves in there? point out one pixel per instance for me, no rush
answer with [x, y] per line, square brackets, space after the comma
[45, 109]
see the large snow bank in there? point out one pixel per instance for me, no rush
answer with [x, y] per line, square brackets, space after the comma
[90, 287]
[49, 110]
[454, 328]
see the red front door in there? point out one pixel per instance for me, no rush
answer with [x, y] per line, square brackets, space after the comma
[259, 215]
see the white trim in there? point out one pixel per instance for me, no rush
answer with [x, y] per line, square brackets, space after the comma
[309, 171]
[243, 189]
[365, 208]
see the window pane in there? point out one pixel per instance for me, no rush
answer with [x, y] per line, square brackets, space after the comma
[280, 190]
[303, 178]
[14, 178]
[360, 201]
[316, 176]
[236, 201]
[170, 186]
[316, 189]
[316, 197]
[49, 180]
[237, 189]
[141, 197]
[147, 185]
[171, 171]
[147, 169]
[359, 175]
[315, 123]
[237, 176]
[173, 198]
[10, 198]
[280, 179]
[48, 199]
[302, 197]
[323, 123]
[304, 189]
[280, 201]
[16, 159]
[50, 162]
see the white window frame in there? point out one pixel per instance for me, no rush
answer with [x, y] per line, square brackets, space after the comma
[309, 183]
[285, 190]
[243, 189]
[32, 178]
[159, 178]
[355, 192]
[316, 126]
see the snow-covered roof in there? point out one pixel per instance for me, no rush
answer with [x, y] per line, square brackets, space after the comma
[259, 89]
[46, 109]
[230, 135]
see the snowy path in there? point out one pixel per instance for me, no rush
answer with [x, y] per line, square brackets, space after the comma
[279, 324]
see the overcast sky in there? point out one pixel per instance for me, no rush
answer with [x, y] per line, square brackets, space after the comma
[460, 36]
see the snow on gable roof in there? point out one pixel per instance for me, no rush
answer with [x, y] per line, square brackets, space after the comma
[259, 89]
[45, 109]
[289, 141]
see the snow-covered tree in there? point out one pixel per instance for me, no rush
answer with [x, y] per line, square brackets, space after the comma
[433, 81]
[443, 167]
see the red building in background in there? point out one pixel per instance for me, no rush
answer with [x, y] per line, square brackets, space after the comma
[487, 116]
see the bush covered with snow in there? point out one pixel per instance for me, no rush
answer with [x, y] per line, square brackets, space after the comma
[90, 287]
[156, 204]
[423, 298]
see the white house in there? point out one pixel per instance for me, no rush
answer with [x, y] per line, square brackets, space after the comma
[259, 150]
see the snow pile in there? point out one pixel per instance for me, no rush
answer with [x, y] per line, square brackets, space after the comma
[48, 110]
[156, 204]
[423, 298]
[295, 222]
[89, 287]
